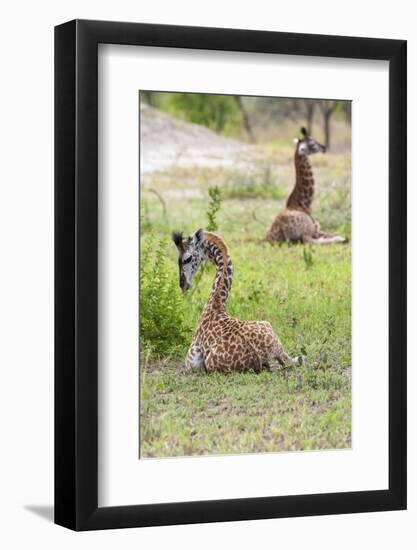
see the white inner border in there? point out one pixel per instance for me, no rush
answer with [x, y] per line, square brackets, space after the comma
[123, 479]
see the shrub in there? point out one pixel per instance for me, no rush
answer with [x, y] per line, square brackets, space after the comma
[218, 112]
[308, 256]
[212, 225]
[213, 208]
[164, 330]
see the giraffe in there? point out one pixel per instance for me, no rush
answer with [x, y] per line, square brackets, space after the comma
[295, 223]
[221, 342]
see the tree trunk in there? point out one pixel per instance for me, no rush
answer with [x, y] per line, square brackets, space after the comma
[245, 117]
[310, 115]
[327, 108]
[147, 97]
[326, 115]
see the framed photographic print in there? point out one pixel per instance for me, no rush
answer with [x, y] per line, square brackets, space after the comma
[230, 252]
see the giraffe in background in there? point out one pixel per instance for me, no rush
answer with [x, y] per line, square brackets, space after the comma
[295, 223]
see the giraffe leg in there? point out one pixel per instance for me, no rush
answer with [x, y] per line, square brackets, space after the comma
[287, 361]
[216, 362]
[212, 362]
[275, 234]
[280, 355]
[283, 358]
[259, 365]
[336, 238]
[195, 358]
[324, 239]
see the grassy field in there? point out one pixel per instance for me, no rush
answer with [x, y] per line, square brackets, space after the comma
[304, 292]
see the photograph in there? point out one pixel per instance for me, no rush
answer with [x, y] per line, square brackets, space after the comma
[208, 331]
[245, 274]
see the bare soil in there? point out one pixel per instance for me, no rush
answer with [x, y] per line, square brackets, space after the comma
[168, 141]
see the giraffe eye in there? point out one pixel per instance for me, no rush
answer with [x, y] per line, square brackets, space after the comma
[187, 261]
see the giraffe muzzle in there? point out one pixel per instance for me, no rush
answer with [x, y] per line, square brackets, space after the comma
[183, 284]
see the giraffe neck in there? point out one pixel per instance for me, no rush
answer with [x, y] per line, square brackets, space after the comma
[302, 194]
[217, 253]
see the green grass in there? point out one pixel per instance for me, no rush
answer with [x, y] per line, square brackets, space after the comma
[252, 191]
[194, 414]
[305, 293]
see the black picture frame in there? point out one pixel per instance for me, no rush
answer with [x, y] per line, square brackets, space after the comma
[76, 272]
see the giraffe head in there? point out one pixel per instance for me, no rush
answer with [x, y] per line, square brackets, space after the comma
[191, 255]
[307, 145]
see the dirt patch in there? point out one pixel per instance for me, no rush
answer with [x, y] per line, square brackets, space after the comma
[167, 141]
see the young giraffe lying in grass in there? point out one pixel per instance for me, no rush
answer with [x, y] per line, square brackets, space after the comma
[223, 343]
[295, 223]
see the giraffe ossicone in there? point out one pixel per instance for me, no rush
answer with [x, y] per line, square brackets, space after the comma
[295, 223]
[223, 343]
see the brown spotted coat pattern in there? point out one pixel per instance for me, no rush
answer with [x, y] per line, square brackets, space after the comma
[223, 343]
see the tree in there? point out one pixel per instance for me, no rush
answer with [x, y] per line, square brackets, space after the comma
[218, 112]
[148, 98]
[327, 107]
[309, 105]
[245, 118]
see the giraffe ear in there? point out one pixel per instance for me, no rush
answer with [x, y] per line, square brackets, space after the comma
[198, 236]
[295, 140]
[177, 238]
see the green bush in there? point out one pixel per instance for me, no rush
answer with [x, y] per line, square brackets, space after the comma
[308, 257]
[164, 330]
[218, 112]
[213, 208]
